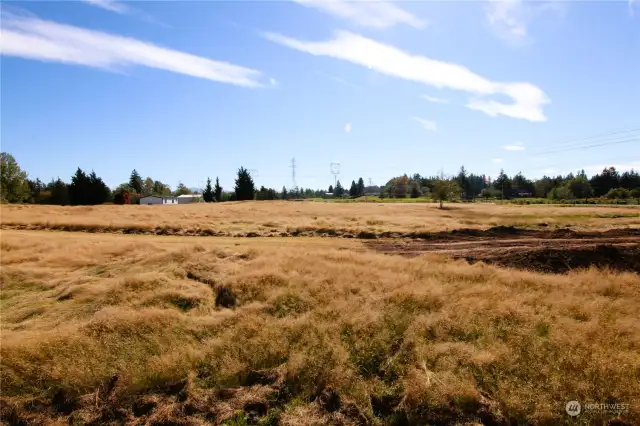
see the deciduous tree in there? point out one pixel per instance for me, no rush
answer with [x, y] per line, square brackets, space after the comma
[13, 185]
[445, 190]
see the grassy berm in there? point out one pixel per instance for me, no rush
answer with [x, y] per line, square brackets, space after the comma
[123, 329]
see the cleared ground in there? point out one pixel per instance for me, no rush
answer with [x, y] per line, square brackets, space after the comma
[145, 329]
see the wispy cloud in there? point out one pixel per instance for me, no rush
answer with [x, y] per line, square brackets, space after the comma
[435, 100]
[347, 128]
[337, 79]
[511, 19]
[426, 124]
[32, 38]
[528, 99]
[110, 5]
[497, 160]
[372, 14]
[517, 146]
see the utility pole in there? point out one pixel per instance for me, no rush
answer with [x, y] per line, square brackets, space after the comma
[335, 171]
[293, 174]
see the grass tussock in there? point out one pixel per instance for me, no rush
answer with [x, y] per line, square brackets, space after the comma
[135, 330]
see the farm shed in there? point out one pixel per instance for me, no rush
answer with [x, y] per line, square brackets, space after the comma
[154, 199]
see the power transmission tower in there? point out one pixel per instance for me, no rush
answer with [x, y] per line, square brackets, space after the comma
[335, 171]
[293, 173]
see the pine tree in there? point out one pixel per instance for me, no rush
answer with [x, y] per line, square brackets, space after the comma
[284, 193]
[79, 188]
[207, 194]
[98, 191]
[360, 187]
[339, 190]
[218, 190]
[353, 191]
[135, 181]
[330, 191]
[245, 187]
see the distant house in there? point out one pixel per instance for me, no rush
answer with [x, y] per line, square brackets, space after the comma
[518, 192]
[189, 198]
[154, 199]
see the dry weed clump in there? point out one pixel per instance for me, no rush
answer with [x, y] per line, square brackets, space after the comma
[129, 330]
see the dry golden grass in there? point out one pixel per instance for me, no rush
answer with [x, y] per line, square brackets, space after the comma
[277, 216]
[419, 340]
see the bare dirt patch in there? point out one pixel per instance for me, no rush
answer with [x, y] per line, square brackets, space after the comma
[557, 251]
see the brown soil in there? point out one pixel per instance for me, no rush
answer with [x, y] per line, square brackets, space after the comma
[557, 251]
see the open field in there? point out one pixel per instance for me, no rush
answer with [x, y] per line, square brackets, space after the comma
[278, 217]
[104, 328]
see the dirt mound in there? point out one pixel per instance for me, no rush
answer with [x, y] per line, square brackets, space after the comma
[559, 260]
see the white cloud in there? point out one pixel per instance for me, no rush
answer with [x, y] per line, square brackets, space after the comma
[32, 38]
[273, 81]
[110, 5]
[435, 100]
[527, 98]
[517, 146]
[426, 124]
[511, 19]
[497, 160]
[347, 128]
[372, 14]
[619, 167]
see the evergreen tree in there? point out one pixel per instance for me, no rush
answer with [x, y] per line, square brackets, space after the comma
[339, 190]
[330, 191]
[135, 181]
[59, 193]
[360, 187]
[208, 195]
[353, 190]
[415, 191]
[245, 187]
[79, 188]
[604, 182]
[503, 184]
[217, 190]
[284, 193]
[463, 182]
[99, 192]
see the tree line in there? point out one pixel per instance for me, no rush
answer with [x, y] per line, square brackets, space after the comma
[86, 188]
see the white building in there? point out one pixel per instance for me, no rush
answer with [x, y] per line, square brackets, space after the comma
[189, 198]
[154, 199]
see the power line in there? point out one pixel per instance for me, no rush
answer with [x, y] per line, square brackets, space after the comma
[581, 147]
[588, 139]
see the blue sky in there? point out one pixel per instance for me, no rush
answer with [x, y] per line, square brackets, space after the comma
[185, 90]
